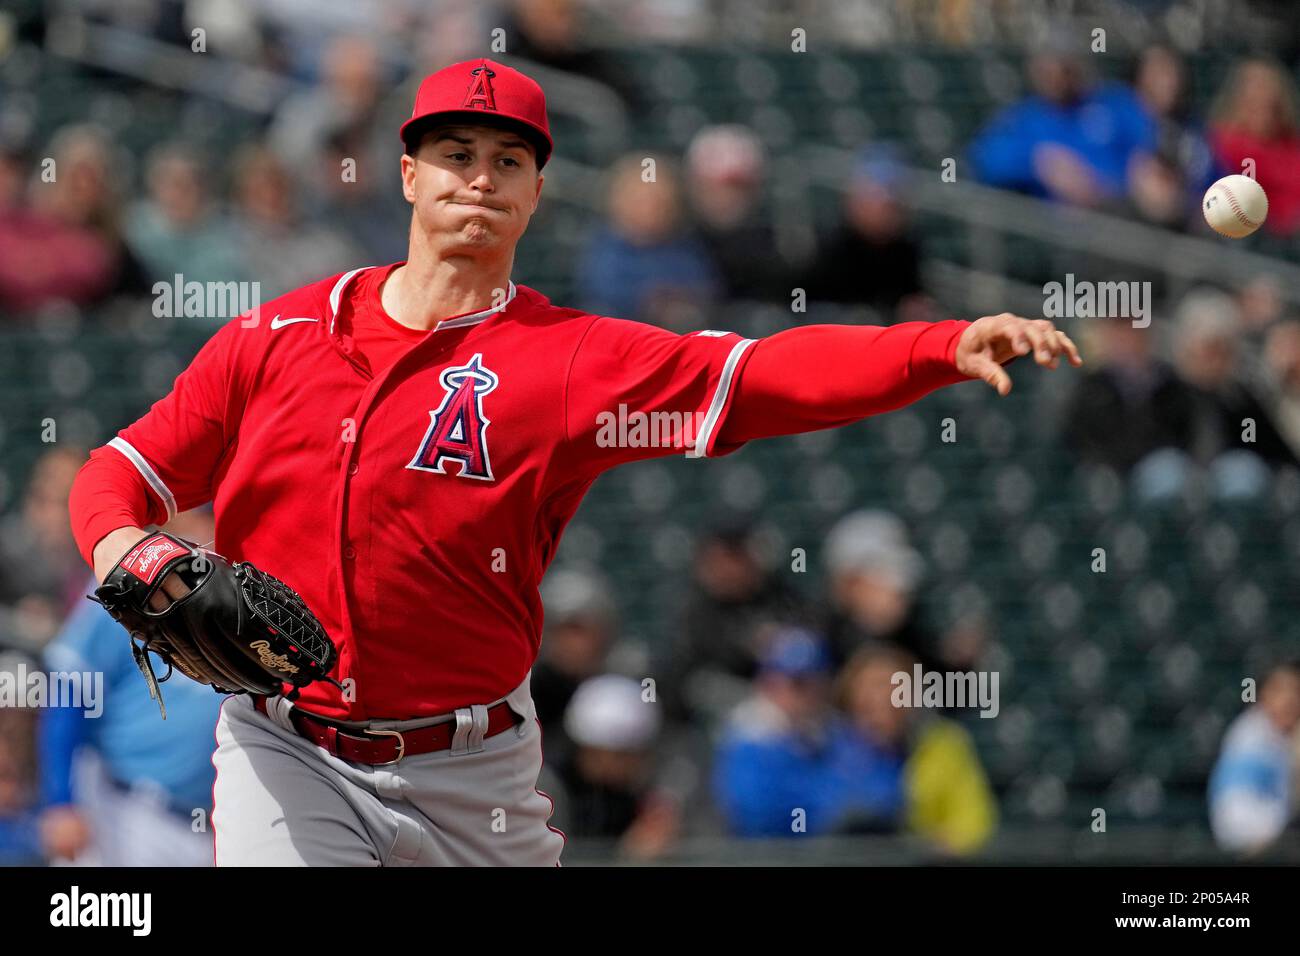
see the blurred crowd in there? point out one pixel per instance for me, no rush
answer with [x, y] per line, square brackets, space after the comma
[768, 713]
[771, 713]
[1202, 402]
[82, 220]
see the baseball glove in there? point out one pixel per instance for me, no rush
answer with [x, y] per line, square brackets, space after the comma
[238, 629]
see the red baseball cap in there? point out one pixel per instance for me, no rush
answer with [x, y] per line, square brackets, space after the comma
[482, 92]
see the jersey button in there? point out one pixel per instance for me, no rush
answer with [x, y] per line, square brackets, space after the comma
[349, 552]
[353, 468]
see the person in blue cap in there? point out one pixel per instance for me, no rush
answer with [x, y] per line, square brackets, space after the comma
[788, 763]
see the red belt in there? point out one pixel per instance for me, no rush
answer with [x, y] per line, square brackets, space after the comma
[387, 746]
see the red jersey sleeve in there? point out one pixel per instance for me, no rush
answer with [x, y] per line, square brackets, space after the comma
[166, 462]
[637, 391]
[824, 376]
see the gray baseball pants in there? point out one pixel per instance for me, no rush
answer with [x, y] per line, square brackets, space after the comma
[280, 800]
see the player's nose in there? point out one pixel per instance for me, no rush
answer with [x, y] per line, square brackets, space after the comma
[482, 180]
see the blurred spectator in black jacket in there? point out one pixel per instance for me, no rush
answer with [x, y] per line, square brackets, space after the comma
[1166, 184]
[1234, 434]
[725, 173]
[609, 785]
[580, 624]
[871, 259]
[1131, 405]
[552, 33]
[734, 603]
[875, 574]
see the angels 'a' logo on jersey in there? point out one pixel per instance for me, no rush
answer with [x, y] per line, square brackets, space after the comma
[458, 427]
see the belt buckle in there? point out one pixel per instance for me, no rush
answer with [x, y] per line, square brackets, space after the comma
[401, 743]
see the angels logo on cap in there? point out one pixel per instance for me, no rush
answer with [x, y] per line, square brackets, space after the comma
[479, 95]
[464, 92]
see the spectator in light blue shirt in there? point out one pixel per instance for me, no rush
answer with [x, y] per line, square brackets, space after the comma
[178, 230]
[144, 795]
[1251, 786]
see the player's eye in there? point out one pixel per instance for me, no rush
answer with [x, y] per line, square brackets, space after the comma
[510, 160]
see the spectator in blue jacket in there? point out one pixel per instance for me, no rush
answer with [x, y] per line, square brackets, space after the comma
[789, 764]
[1073, 139]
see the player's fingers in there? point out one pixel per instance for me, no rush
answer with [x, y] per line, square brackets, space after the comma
[1056, 343]
[173, 589]
[1015, 330]
[992, 373]
[1070, 348]
[1042, 336]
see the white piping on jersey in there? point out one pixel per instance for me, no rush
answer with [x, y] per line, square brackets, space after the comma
[719, 399]
[461, 320]
[337, 292]
[146, 472]
[474, 318]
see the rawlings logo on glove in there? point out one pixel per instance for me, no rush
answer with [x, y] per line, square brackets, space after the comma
[236, 628]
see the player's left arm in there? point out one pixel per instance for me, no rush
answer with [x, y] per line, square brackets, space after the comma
[823, 376]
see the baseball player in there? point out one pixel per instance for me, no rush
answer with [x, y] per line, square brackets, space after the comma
[402, 446]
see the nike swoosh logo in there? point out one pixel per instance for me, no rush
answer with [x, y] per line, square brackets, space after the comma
[279, 323]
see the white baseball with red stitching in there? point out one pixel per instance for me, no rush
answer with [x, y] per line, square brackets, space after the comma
[1235, 206]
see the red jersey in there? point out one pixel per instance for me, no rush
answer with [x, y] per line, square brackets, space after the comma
[378, 338]
[415, 501]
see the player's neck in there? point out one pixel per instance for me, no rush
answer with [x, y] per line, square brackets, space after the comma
[426, 290]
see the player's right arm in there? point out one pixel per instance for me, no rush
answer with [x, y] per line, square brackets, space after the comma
[168, 460]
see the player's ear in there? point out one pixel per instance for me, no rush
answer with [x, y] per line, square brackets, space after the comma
[408, 177]
[537, 196]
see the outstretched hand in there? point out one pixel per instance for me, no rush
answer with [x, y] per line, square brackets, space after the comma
[990, 342]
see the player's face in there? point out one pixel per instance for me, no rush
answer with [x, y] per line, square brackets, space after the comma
[473, 187]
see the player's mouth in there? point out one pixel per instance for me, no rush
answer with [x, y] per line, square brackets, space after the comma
[476, 205]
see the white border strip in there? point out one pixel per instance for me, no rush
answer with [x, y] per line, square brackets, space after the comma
[472, 319]
[476, 317]
[719, 398]
[337, 292]
[149, 475]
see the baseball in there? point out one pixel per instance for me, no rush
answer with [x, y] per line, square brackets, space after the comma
[1235, 206]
